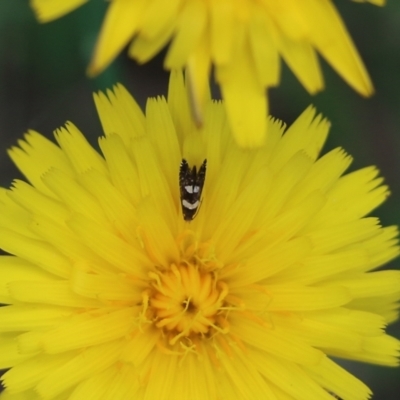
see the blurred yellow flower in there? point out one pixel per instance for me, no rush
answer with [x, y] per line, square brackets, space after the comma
[243, 40]
[114, 295]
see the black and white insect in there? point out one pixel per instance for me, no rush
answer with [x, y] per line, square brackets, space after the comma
[191, 184]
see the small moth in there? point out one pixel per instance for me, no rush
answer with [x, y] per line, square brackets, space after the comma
[191, 185]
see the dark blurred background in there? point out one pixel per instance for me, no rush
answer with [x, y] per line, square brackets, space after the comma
[43, 84]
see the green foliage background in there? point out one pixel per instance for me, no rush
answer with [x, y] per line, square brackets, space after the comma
[43, 84]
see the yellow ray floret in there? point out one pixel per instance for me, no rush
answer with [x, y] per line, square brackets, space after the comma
[243, 40]
[111, 292]
[47, 10]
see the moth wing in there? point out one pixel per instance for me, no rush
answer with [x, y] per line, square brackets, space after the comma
[201, 176]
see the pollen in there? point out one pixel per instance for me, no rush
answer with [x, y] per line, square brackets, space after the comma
[187, 301]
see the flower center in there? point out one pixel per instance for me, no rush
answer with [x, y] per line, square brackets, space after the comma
[187, 301]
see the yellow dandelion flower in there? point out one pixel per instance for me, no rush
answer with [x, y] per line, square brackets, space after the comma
[131, 274]
[242, 40]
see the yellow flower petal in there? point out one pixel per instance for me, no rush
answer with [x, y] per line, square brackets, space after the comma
[106, 288]
[47, 10]
[190, 27]
[297, 298]
[116, 32]
[35, 251]
[36, 202]
[126, 122]
[74, 196]
[78, 150]
[22, 317]
[244, 378]
[266, 58]
[303, 61]
[289, 377]
[381, 350]
[15, 269]
[10, 354]
[222, 34]
[46, 154]
[336, 46]
[279, 344]
[374, 284]
[58, 293]
[88, 329]
[338, 380]
[245, 99]
[109, 246]
[25, 375]
[78, 368]
[197, 73]
[99, 383]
